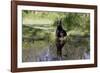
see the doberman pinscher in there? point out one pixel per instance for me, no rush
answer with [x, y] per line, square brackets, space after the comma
[60, 38]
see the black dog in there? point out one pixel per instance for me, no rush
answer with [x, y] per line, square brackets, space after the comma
[60, 38]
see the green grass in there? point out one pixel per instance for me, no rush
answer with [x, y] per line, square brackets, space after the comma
[37, 21]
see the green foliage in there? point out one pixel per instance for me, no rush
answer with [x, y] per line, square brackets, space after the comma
[71, 21]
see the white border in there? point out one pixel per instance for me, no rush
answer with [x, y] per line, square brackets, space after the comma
[52, 63]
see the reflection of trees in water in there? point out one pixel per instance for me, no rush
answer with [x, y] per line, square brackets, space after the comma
[74, 49]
